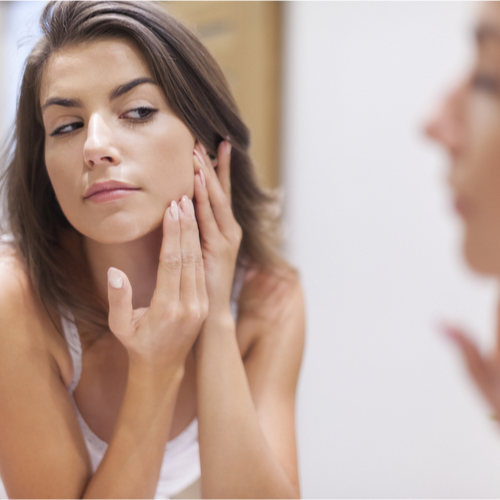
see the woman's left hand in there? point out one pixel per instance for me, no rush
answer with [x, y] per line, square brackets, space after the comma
[220, 233]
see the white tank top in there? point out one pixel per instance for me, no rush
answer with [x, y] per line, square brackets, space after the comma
[181, 460]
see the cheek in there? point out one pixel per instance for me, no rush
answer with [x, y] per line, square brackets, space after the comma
[170, 165]
[63, 180]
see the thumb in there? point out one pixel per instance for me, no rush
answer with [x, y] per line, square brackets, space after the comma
[120, 302]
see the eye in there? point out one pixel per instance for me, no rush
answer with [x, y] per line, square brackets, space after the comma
[141, 114]
[485, 83]
[66, 129]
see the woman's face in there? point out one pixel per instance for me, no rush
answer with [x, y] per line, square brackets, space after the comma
[106, 121]
[468, 125]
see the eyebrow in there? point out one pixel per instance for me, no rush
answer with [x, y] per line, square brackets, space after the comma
[485, 32]
[114, 94]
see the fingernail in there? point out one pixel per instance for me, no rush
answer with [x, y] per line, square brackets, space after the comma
[115, 278]
[174, 210]
[187, 206]
[202, 178]
[200, 158]
[228, 147]
[203, 148]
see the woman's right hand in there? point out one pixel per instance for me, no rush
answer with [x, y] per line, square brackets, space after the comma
[164, 332]
[484, 369]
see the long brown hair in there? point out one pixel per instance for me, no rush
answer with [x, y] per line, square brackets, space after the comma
[198, 93]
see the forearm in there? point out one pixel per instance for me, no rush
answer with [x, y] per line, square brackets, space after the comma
[236, 459]
[131, 465]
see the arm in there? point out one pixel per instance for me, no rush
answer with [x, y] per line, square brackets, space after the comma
[484, 369]
[42, 453]
[245, 409]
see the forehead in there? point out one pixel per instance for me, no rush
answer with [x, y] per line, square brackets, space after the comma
[91, 67]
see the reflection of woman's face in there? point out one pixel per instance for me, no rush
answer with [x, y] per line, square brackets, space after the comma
[468, 126]
[104, 121]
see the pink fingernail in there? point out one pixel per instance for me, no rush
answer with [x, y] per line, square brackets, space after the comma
[187, 206]
[228, 148]
[203, 148]
[200, 158]
[115, 278]
[174, 210]
[191, 208]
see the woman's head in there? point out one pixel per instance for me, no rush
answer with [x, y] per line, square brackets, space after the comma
[77, 125]
[106, 120]
[468, 125]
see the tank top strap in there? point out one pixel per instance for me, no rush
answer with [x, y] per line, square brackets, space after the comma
[75, 347]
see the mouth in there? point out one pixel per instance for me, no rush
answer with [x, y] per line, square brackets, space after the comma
[461, 206]
[109, 190]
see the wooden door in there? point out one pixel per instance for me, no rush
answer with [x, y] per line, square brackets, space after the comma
[245, 39]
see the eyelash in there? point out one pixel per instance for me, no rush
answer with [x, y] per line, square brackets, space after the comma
[137, 121]
[485, 83]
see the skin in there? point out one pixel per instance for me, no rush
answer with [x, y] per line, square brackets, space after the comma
[169, 295]
[467, 125]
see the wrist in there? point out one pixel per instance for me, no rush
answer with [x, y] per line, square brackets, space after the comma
[216, 328]
[219, 318]
[153, 376]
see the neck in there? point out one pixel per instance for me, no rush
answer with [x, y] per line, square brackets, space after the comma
[138, 259]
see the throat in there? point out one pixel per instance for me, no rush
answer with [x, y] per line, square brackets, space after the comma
[138, 259]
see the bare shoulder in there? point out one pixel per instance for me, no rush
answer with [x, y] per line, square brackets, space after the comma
[272, 295]
[42, 452]
[16, 294]
[271, 311]
[26, 325]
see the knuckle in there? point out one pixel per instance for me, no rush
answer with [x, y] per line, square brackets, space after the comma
[171, 261]
[193, 312]
[188, 259]
[171, 313]
[199, 261]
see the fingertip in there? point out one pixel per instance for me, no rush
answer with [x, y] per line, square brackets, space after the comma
[173, 210]
[115, 278]
[198, 156]
[187, 207]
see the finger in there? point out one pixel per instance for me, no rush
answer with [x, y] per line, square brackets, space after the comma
[120, 302]
[204, 214]
[189, 251]
[498, 330]
[208, 160]
[223, 169]
[169, 268]
[476, 363]
[219, 202]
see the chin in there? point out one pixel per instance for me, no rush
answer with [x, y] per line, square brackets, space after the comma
[482, 258]
[114, 232]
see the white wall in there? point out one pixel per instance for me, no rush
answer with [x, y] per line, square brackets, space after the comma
[385, 408]
[19, 33]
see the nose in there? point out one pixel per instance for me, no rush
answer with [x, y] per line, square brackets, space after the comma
[98, 148]
[446, 125]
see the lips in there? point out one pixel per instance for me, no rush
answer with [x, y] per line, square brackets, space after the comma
[108, 186]
[462, 207]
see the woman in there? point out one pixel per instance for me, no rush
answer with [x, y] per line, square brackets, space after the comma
[118, 349]
[468, 126]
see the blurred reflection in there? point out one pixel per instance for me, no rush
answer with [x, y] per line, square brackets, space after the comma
[467, 125]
